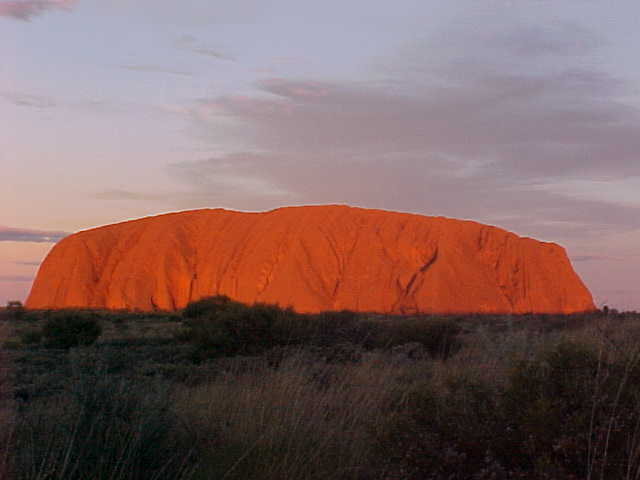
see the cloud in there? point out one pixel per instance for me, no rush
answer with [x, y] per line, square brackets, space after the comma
[190, 43]
[8, 234]
[228, 178]
[125, 195]
[415, 183]
[567, 39]
[27, 263]
[26, 9]
[593, 258]
[16, 278]
[27, 100]
[155, 69]
[295, 90]
[95, 104]
[551, 125]
[495, 125]
[514, 126]
[621, 291]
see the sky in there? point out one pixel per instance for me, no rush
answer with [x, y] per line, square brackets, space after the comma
[524, 114]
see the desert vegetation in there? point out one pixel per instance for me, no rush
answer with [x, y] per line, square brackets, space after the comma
[223, 390]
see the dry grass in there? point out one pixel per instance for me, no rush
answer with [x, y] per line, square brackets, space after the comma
[304, 420]
[533, 398]
[7, 414]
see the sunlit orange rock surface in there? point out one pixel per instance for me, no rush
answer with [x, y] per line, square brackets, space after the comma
[311, 258]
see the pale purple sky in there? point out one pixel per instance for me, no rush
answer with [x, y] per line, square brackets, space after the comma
[522, 114]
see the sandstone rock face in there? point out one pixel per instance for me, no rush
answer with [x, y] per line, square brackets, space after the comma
[313, 259]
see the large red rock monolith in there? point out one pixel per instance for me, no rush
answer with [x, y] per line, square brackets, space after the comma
[312, 258]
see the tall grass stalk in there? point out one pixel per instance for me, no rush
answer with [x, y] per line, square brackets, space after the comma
[103, 429]
[303, 420]
[7, 412]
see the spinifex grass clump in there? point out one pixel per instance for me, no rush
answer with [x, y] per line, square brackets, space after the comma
[103, 428]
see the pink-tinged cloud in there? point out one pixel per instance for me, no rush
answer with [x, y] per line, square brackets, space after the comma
[295, 90]
[26, 9]
[16, 278]
[241, 106]
[8, 234]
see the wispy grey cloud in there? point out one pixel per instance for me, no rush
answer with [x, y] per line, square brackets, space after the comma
[27, 100]
[125, 195]
[27, 263]
[228, 178]
[190, 43]
[27, 9]
[8, 234]
[621, 291]
[430, 184]
[96, 104]
[155, 69]
[549, 39]
[594, 258]
[16, 278]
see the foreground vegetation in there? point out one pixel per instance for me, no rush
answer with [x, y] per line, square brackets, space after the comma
[226, 391]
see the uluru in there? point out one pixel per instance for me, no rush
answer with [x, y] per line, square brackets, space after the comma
[311, 258]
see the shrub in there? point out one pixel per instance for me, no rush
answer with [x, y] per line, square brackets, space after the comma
[210, 306]
[575, 411]
[220, 326]
[445, 433]
[439, 337]
[70, 329]
[569, 413]
[30, 337]
[15, 310]
[344, 326]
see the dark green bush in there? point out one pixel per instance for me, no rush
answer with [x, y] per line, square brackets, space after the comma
[210, 306]
[15, 310]
[68, 329]
[220, 326]
[30, 337]
[439, 337]
[345, 326]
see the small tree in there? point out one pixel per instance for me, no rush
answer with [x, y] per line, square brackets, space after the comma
[70, 329]
[15, 309]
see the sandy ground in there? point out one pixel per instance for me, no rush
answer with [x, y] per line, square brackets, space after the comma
[6, 403]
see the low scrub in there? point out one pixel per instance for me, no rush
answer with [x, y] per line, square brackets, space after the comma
[278, 395]
[103, 428]
[221, 326]
[70, 329]
[570, 413]
[439, 337]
